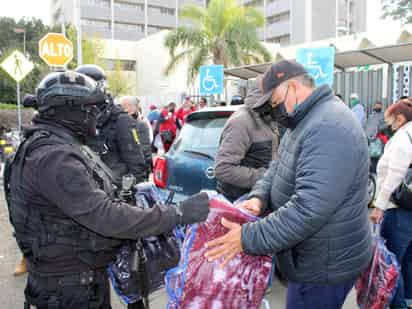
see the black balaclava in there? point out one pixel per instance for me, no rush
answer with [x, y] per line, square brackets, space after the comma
[81, 120]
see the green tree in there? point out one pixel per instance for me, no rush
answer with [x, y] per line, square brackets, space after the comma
[398, 10]
[9, 41]
[223, 33]
[92, 48]
[118, 83]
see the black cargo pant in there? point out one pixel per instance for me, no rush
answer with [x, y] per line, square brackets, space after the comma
[87, 290]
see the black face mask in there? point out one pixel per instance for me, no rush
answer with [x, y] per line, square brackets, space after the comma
[172, 110]
[377, 110]
[280, 115]
[90, 121]
[80, 120]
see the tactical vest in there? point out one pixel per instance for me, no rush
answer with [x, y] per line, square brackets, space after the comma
[46, 231]
[105, 144]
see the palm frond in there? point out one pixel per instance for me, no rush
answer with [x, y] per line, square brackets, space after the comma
[199, 58]
[185, 37]
[193, 13]
[178, 59]
[254, 17]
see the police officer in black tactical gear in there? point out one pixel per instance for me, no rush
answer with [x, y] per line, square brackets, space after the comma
[117, 141]
[60, 197]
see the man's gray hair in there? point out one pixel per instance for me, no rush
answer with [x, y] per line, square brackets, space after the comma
[130, 99]
[306, 80]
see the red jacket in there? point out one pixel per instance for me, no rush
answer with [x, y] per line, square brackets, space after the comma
[169, 123]
[182, 114]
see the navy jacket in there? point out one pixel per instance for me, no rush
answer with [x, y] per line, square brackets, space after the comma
[317, 195]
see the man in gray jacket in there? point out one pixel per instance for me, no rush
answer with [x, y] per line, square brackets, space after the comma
[248, 144]
[316, 192]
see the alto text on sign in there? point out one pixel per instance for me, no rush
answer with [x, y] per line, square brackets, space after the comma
[55, 49]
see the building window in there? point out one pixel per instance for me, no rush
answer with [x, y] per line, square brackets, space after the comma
[162, 10]
[99, 3]
[129, 6]
[101, 24]
[125, 65]
[154, 29]
[255, 3]
[128, 27]
[278, 18]
[282, 40]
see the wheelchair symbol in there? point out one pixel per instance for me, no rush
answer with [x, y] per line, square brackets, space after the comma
[209, 83]
[315, 68]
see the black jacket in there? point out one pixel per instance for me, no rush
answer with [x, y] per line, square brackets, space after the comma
[144, 136]
[317, 192]
[119, 146]
[56, 197]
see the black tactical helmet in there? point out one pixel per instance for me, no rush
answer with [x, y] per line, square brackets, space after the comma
[93, 71]
[67, 88]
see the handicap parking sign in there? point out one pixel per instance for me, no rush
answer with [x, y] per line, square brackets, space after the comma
[319, 62]
[211, 79]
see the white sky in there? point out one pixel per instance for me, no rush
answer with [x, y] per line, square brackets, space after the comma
[21, 8]
[41, 9]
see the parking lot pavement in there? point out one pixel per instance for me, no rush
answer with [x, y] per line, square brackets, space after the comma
[11, 288]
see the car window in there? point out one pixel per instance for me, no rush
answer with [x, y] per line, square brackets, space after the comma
[201, 136]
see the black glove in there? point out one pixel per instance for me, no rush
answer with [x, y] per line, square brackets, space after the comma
[194, 209]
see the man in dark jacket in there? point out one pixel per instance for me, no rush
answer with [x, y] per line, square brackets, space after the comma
[248, 144]
[316, 192]
[131, 105]
[60, 198]
[116, 142]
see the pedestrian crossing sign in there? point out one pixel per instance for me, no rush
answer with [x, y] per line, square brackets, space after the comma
[17, 66]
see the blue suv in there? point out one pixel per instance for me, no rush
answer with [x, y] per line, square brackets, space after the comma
[188, 167]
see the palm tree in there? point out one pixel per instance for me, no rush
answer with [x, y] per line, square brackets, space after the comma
[224, 32]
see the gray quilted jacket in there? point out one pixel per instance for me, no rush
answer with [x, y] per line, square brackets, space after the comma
[316, 193]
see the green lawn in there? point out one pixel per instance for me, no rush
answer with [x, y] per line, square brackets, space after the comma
[7, 106]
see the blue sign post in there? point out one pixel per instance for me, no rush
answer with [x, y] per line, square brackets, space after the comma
[211, 79]
[319, 62]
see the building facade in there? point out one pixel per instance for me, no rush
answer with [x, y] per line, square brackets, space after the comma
[119, 19]
[299, 21]
[287, 21]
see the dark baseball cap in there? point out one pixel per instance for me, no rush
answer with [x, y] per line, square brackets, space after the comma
[275, 75]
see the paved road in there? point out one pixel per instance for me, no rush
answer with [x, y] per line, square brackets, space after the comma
[11, 288]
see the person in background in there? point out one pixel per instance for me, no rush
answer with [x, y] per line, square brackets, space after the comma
[117, 142]
[247, 145]
[396, 222]
[187, 108]
[202, 103]
[153, 116]
[131, 105]
[358, 109]
[376, 121]
[168, 125]
[315, 194]
[376, 129]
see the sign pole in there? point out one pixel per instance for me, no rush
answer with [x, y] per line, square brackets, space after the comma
[18, 106]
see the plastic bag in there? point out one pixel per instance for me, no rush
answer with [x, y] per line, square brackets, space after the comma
[197, 283]
[376, 287]
[162, 253]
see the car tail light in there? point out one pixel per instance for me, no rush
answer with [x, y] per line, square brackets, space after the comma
[160, 172]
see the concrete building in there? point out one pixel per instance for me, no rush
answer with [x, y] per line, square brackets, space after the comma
[119, 19]
[287, 21]
[298, 21]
